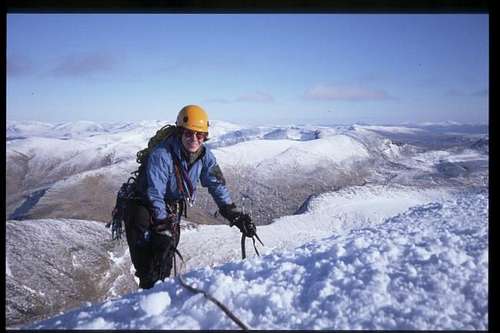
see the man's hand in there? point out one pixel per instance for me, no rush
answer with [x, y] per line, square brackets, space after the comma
[163, 225]
[241, 220]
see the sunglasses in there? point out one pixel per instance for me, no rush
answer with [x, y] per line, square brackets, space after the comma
[199, 135]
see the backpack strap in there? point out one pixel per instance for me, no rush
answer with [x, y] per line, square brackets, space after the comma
[184, 184]
[182, 174]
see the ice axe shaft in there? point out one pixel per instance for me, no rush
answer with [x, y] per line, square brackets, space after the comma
[243, 252]
[256, 236]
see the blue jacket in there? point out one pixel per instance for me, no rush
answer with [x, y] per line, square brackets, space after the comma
[157, 182]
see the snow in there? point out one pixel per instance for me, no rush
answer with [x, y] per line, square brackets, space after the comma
[442, 123]
[117, 260]
[57, 156]
[79, 129]
[121, 263]
[155, 304]
[425, 267]
[335, 212]
[359, 206]
[392, 129]
[433, 157]
[33, 291]
[219, 127]
[270, 154]
[467, 155]
[251, 153]
[8, 272]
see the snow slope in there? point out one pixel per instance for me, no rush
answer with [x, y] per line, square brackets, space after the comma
[201, 245]
[330, 213]
[273, 155]
[424, 268]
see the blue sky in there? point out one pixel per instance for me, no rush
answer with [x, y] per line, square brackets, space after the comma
[249, 68]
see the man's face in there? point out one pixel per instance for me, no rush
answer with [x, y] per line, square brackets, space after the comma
[192, 140]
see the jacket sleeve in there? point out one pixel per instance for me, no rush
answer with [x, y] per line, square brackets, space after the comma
[157, 173]
[211, 177]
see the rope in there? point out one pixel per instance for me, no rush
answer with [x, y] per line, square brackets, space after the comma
[200, 291]
[207, 295]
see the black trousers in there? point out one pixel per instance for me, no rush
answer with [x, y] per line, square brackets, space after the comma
[152, 254]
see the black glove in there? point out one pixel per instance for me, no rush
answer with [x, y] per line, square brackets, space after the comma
[164, 225]
[241, 220]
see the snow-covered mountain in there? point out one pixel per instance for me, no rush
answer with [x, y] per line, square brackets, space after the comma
[51, 167]
[338, 180]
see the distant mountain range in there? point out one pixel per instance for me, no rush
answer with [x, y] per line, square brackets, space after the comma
[53, 168]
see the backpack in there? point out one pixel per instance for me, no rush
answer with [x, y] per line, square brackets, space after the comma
[163, 133]
[127, 190]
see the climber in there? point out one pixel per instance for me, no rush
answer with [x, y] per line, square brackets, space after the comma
[164, 188]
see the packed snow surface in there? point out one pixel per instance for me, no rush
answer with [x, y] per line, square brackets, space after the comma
[423, 268]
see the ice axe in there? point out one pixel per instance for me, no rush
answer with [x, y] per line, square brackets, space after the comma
[243, 252]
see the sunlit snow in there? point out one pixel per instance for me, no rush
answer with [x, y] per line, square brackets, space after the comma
[425, 268]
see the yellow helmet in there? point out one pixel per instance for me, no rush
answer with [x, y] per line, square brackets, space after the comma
[194, 118]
